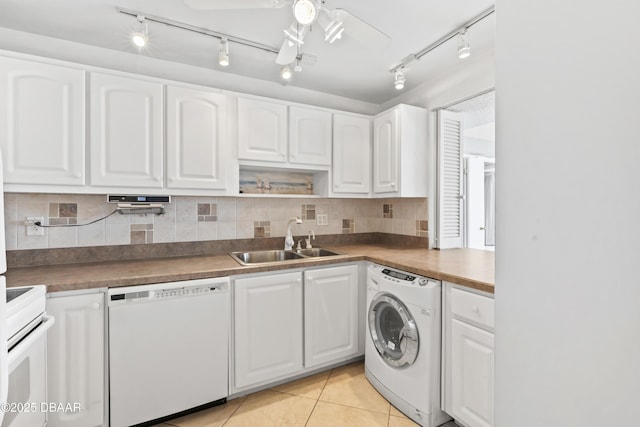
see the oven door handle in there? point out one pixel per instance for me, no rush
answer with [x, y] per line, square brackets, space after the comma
[24, 346]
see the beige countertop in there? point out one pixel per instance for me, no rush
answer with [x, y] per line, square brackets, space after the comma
[469, 267]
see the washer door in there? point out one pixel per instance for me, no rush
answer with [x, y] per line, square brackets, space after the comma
[393, 330]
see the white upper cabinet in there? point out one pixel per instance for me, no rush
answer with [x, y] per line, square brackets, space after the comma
[262, 130]
[126, 141]
[196, 138]
[351, 154]
[42, 130]
[385, 152]
[400, 152]
[309, 136]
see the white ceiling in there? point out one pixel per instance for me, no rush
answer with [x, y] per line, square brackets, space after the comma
[345, 68]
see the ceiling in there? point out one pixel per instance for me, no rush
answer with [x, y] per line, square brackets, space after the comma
[345, 68]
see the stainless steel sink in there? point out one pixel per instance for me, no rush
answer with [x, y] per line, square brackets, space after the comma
[259, 257]
[316, 252]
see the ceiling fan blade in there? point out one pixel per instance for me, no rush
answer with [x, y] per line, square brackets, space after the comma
[235, 4]
[361, 31]
[287, 54]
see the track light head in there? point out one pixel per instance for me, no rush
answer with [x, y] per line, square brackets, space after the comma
[332, 26]
[305, 11]
[140, 38]
[464, 50]
[223, 54]
[399, 80]
[285, 72]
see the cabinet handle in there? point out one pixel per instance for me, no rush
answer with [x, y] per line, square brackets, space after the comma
[95, 305]
[393, 184]
[310, 278]
[476, 309]
[77, 175]
[171, 179]
[156, 178]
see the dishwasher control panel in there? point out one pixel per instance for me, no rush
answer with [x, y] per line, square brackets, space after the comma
[171, 290]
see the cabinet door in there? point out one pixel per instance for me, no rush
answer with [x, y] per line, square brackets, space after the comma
[309, 136]
[126, 132]
[268, 328]
[262, 130]
[41, 123]
[385, 152]
[75, 359]
[472, 372]
[196, 139]
[351, 154]
[330, 314]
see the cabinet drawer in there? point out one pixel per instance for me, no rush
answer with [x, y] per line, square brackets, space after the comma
[474, 307]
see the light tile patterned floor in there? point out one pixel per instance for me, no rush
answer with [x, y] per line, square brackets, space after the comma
[341, 397]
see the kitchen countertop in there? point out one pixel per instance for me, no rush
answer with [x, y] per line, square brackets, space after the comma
[469, 267]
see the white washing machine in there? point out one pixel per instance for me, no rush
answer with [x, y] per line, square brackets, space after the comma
[402, 352]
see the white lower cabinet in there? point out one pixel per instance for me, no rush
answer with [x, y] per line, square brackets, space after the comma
[330, 314]
[268, 327]
[270, 311]
[75, 359]
[468, 362]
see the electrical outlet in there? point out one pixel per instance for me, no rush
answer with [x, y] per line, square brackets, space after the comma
[32, 229]
[322, 219]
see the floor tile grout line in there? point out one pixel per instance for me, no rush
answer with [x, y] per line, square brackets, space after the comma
[244, 399]
[319, 395]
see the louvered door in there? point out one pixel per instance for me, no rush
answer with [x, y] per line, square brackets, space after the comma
[450, 234]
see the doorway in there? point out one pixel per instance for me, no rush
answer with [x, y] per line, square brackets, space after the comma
[467, 173]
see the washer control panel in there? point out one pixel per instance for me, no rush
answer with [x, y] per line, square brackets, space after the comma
[402, 277]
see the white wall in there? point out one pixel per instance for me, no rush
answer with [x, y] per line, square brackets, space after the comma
[568, 212]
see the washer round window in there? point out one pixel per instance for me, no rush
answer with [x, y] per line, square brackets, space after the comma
[393, 330]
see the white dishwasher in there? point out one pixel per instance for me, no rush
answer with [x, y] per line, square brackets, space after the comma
[168, 349]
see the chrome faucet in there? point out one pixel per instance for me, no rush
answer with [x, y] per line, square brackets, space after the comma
[288, 240]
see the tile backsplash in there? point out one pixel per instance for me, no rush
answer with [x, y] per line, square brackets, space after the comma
[202, 218]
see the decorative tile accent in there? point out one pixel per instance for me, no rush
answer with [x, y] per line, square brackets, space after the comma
[387, 211]
[422, 227]
[207, 212]
[261, 229]
[348, 226]
[63, 213]
[308, 212]
[141, 233]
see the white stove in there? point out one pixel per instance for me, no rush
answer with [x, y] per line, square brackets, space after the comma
[25, 310]
[26, 333]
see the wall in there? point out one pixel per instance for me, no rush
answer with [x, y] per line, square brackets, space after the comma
[568, 207]
[203, 218]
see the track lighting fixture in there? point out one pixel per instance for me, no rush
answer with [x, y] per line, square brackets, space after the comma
[463, 44]
[399, 80]
[285, 72]
[305, 11]
[294, 34]
[464, 49]
[332, 26]
[298, 67]
[223, 54]
[141, 36]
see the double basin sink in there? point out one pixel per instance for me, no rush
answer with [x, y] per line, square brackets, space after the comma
[259, 257]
